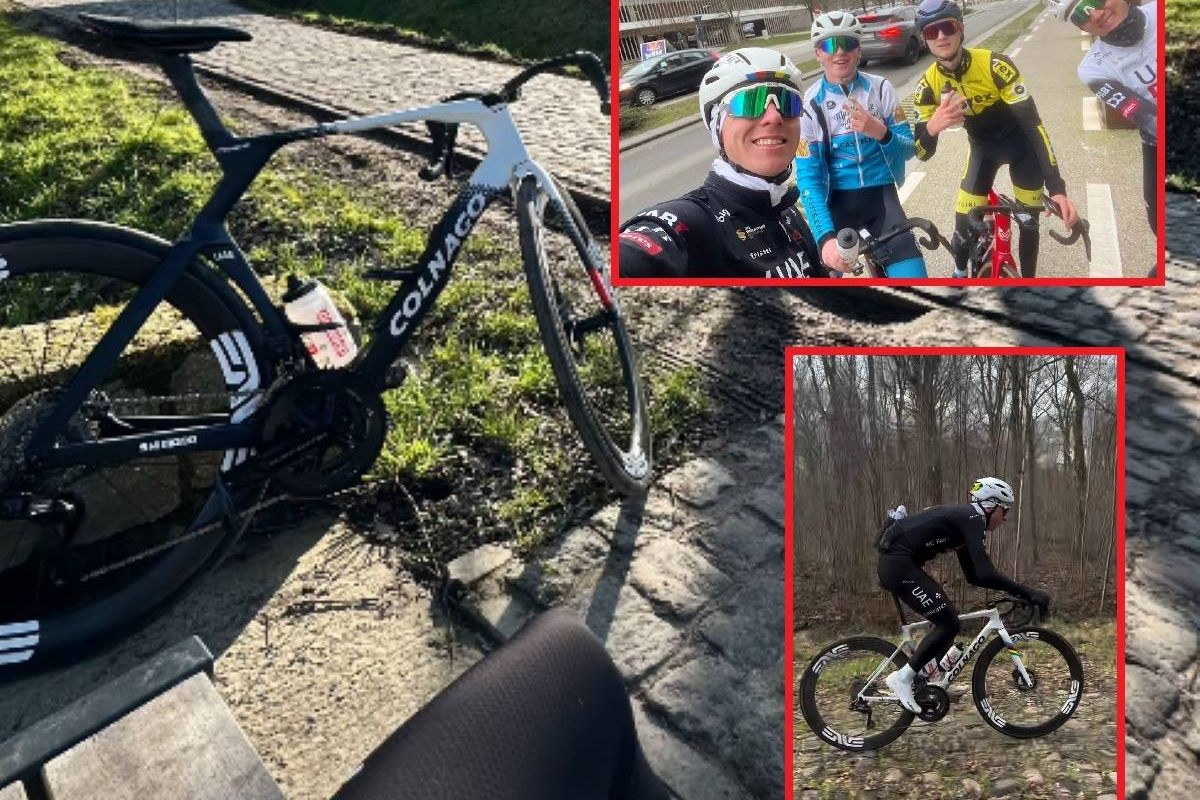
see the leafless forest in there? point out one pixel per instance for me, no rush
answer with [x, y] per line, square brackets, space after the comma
[870, 432]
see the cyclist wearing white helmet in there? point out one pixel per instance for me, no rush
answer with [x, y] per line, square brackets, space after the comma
[1121, 67]
[908, 543]
[983, 91]
[854, 141]
[743, 222]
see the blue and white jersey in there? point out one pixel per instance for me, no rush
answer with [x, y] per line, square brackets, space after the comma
[848, 160]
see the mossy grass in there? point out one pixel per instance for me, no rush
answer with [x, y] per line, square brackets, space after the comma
[100, 144]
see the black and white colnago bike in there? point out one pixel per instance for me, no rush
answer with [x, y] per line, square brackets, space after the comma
[150, 391]
[1027, 682]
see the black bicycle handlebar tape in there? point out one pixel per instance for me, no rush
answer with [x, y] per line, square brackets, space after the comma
[589, 62]
[592, 67]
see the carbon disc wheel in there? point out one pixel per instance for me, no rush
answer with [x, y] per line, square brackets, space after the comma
[841, 690]
[118, 544]
[1028, 689]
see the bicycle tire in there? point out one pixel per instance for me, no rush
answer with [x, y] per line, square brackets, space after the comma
[1065, 711]
[103, 265]
[808, 697]
[627, 467]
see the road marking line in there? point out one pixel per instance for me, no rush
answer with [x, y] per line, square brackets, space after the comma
[1106, 254]
[1085, 45]
[1026, 39]
[1093, 117]
[1035, 27]
[910, 182]
[1014, 53]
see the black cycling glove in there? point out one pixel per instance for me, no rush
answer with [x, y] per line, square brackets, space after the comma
[1041, 600]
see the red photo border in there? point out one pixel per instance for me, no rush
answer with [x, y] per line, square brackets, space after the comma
[1119, 575]
[1159, 278]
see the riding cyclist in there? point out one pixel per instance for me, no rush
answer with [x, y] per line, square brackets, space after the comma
[1121, 67]
[983, 91]
[908, 543]
[854, 141]
[744, 220]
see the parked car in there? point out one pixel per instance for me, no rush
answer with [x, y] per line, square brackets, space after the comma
[891, 33]
[665, 75]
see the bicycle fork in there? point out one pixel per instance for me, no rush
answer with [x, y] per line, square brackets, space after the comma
[1015, 655]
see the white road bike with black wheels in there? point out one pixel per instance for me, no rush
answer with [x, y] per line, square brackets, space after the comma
[1027, 683]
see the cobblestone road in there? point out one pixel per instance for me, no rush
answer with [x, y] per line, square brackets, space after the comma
[559, 117]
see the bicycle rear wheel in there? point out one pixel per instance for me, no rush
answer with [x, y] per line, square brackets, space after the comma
[130, 544]
[1018, 708]
[583, 329]
[832, 689]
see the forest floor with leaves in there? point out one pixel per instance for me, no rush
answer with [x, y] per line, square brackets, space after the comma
[963, 757]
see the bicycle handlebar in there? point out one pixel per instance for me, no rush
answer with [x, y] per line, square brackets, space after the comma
[1081, 229]
[1030, 613]
[933, 239]
[870, 244]
[587, 61]
[445, 134]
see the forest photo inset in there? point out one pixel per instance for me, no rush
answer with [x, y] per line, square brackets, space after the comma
[971, 496]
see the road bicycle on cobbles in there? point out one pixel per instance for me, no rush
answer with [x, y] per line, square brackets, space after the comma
[150, 392]
[1027, 682]
[990, 246]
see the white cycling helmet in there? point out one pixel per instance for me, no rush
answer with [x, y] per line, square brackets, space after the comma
[835, 23]
[744, 67]
[993, 491]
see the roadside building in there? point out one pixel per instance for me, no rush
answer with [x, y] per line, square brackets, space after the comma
[680, 24]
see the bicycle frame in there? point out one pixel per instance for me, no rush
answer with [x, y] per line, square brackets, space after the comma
[1002, 238]
[241, 159]
[994, 624]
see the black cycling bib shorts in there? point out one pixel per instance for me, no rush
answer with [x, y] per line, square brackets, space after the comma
[877, 208]
[545, 717]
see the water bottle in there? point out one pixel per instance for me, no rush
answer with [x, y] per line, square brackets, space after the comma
[951, 657]
[307, 302]
[847, 246]
[946, 89]
[930, 670]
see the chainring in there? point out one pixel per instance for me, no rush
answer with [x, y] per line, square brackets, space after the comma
[323, 430]
[934, 702]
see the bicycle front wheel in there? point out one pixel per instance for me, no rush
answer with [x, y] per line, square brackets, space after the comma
[841, 691]
[123, 538]
[583, 329]
[1028, 689]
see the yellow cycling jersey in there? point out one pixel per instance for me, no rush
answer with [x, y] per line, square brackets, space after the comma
[997, 106]
[990, 85]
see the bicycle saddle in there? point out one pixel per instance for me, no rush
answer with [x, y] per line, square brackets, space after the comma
[163, 36]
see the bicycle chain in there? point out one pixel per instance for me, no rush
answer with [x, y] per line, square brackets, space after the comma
[148, 402]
